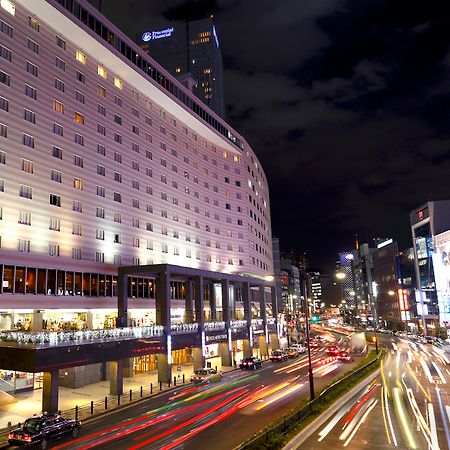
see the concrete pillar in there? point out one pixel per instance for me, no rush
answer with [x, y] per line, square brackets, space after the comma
[262, 303]
[212, 301]
[36, 321]
[164, 368]
[199, 302]
[263, 350]
[247, 348]
[90, 320]
[274, 341]
[50, 391]
[162, 301]
[273, 297]
[226, 304]
[128, 371]
[197, 358]
[122, 298]
[116, 377]
[188, 301]
[225, 354]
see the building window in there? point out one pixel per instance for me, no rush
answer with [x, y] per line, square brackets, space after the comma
[117, 138]
[135, 147]
[53, 249]
[79, 118]
[81, 77]
[55, 224]
[29, 116]
[101, 109]
[27, 166]
[32, 69]
[118, 83]
[99, 257]
[117, 238]
[135, 203]
[79, 139]
[100, 212]
[5, 78]
[55, 200]
[118, 119]
[80, 56]
[23, 245]
[100, 234]
[135, 184]
[24, 218]
[118, 177]
[6, 29]
[102, 72]
[78, 183]
[33, 23]
[57, 152]
[77, 206]
[76, 253]
[135, 129]
[25, 191]
[118, 101]
[33, 46]
[135, 242]
[101, 150]
[5, 53]
[118, 157]
[61, 43]
[100, 191]
[135, 165]
[58, 129]
[28, 140]
[101, 90]
[59, 84]
[117, 217]
[3, 132]
[58, 107]
[76, 229]
[79, 97]
[2, 189]
[30, 92]
[101, 170]
[117, 197]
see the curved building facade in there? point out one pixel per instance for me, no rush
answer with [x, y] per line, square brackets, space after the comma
[106, 160]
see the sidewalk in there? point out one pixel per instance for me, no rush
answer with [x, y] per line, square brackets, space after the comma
[29, 402]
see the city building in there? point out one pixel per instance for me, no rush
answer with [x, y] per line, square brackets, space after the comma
[107, 161]
[190, 50]
[363, 282]
[428, 221]
[345, 271]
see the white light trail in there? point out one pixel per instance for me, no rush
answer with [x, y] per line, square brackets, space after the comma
[441, 408]
[386, 404]
[362, 420]
[434, 438]
[323, 434]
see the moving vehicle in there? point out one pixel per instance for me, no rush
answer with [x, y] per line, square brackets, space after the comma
[299, 347]
[292, 352]
[313, 344]
[344, 356]
[38, 430]
[251, 362]
[332, 350]
[207, 375]
[278, 355]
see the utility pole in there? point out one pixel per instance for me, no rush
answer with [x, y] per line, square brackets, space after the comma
[308, 340]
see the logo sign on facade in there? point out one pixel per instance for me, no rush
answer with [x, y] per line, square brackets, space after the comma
[154, 35]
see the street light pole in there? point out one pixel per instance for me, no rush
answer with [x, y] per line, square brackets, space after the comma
[310, 370]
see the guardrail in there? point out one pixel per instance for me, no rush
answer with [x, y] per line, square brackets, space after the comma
[294, 419]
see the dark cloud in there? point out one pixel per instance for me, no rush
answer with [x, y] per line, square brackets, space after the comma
[346, 103]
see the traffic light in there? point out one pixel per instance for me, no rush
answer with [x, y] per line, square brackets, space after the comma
[314, 318]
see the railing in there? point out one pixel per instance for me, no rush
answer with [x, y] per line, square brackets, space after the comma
[214, 326]
[294, 419]
[57, 338]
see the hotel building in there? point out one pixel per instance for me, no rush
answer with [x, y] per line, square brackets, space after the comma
[107, 161]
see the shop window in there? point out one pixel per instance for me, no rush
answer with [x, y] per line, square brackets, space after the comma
[20, 280]
[94, 284]
[51, 282]
[31, 281]
[42, 281]
[101, 286]
[8, 279]
[86, 284]
[69, 283]
[78, 283]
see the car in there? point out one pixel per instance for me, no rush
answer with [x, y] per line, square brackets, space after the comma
[314, 344]
[206, 375]
[344, 356]
[251, 362]
[278, 355]
[292, 352]
[38, 430]
[299, 347]
[332, 350]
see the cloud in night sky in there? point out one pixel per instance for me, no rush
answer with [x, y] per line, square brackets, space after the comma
[345, 102]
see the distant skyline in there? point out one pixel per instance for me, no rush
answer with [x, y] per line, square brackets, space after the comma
[345, 102]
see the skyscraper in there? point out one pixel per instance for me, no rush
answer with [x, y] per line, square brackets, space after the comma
[190, 48]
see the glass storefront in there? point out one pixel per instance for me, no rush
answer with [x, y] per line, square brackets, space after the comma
[12, 381]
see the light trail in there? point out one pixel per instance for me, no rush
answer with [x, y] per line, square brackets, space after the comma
[280, 396]
[403, 419]
[434, 437]
[325, 431]
[388, 413]
[360, 404]
[418, 383]
[441, 376]
[426, 369]
[441, 408]
[361, 421]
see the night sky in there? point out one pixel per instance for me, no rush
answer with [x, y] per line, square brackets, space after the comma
[345, 102]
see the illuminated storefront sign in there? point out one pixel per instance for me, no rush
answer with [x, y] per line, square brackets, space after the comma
[154, 35]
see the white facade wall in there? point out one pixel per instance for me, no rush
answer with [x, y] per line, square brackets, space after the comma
[188, 197]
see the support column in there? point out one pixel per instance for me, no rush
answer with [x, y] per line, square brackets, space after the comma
[246, 299]
[90, 320]
[274, 338]
[122, 298]
[188, 301]
[36, 321]
[116, 377]
[198, 358]
[162, 298]
[50, 392]
[226, 306]
[128, 367]
[263, 350]
[212, 302]
[225, 354]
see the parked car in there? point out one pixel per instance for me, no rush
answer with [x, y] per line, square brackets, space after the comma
[250, 362]
[206, 375]
[278, 355]
[344, 356]
[299, 347]
[292, 352]
[37, 431]
[332, 350]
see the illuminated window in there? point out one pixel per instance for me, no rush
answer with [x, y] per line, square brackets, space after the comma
[80, 56]
[78, 183]
[118, 83]
[178, 70]
[8, 6]
[33, 23]
[101, 71]
[79, 118]
[27, 166]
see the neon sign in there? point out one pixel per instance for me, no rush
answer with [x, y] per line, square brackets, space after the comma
[153, 35]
